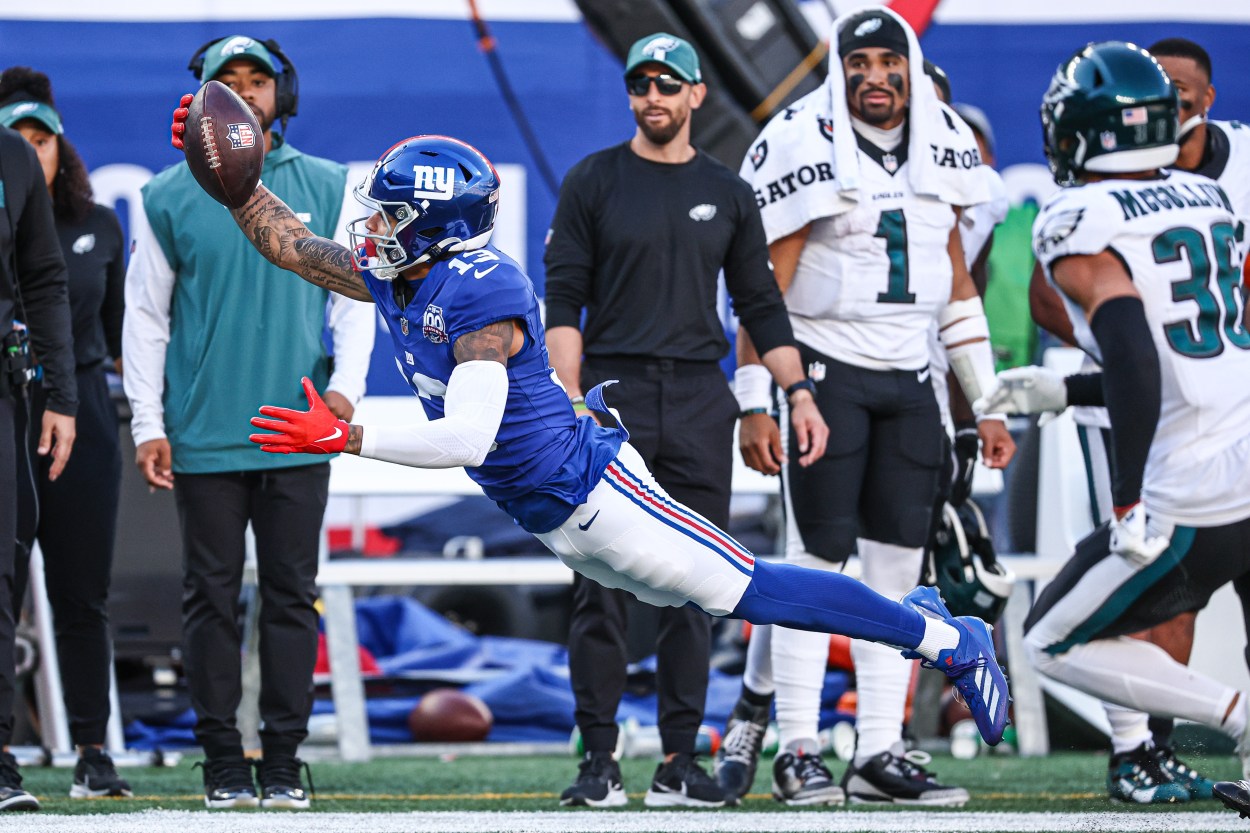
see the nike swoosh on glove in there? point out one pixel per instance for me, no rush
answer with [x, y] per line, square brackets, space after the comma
[1133, 539]
[315, 431]
[1024, 390]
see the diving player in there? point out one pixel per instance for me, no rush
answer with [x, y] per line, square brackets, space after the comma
[465, 324]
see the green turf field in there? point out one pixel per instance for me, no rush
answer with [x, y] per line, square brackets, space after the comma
[1062, 783]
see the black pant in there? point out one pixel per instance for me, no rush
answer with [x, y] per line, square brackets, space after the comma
[74, 518]
[285, 507]
[8, 535]
[680, 417]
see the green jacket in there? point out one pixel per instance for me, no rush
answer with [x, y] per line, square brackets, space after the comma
[242, 331]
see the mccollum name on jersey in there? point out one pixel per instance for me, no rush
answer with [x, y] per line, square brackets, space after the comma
[1155, 197]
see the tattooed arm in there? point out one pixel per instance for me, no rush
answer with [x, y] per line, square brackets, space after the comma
[279, 235]
[496, 342]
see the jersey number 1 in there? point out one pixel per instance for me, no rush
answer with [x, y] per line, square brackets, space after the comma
[1201, 338]
[893, 228]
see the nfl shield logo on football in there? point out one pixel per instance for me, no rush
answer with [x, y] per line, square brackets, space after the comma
[433, 326]
[1107, 137]
[241, 136]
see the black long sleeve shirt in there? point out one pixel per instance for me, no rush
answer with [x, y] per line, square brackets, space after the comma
[95, 252]
[639, 245]
[30, 257]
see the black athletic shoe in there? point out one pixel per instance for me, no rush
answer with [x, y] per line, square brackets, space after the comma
[1235, 795]
[280, 784]
[1138, 776]
[803, 779]
[598, 783]
[96, 777]
[228, 782]
[12, 796]
[1199, 786]
[891, 779]
[739, 754]
[681, 782]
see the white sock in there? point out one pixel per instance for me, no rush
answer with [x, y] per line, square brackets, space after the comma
[758, 674]
[938, 637]
[799, 662]
[1129, 728]
[882, 676]
[1235, 725]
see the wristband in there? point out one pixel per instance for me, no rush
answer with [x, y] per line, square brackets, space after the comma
[802, 384]
[753, 386]
[751, 412]
[579, 403]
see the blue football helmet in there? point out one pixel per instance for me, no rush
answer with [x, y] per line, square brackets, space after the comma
[439, 196]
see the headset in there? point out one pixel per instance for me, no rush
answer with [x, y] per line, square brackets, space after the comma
[287, 99]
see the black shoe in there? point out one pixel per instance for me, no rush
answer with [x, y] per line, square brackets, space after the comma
[739, 754]
[1235, 795]
[12, 796]
[803, 779]
[96, 777]
[1199, 786]
[681, 782]
[228, 782]
[1138, 776]
[598, 783]
[280, 784]
[891, 779]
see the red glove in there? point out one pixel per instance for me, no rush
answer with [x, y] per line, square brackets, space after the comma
[315, 431]
[179, 126]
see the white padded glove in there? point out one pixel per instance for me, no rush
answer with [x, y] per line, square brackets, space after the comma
[1135, 540]
[1024, 390]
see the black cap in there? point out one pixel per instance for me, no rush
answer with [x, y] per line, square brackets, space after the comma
[873, 27]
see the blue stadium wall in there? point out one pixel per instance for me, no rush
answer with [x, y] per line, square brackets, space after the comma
[366, 83]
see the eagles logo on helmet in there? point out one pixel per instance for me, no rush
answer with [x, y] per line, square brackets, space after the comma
[963, 566]
[439, 195]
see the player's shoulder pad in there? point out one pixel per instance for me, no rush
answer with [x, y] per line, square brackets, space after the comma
[489, 286]
[1080, 220]
[782, 130]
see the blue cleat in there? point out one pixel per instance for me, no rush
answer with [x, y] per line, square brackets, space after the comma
[971, 665]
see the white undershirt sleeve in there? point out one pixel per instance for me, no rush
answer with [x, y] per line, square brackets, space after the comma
[145, 331]
[473, 406]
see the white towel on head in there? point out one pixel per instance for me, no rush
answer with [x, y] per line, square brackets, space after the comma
[798, 177]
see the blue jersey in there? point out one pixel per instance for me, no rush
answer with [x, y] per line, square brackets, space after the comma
[544, 461]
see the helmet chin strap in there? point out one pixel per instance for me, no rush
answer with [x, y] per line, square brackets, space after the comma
[1189, 124]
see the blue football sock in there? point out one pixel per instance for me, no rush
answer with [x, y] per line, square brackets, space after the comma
[815, 600]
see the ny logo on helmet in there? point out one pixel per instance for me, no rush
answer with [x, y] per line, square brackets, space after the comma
[432, 183]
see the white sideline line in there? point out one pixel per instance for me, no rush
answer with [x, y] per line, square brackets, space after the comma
[641, 822]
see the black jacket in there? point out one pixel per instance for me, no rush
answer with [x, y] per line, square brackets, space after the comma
[30, 258]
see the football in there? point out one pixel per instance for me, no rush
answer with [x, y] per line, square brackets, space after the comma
[224, 146]
[448, 715]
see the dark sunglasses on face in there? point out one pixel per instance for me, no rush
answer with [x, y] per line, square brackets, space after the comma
[640, 84]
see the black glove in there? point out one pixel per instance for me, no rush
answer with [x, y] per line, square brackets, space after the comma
[967, 447]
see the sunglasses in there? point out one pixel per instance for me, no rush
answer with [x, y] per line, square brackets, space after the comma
[639, 84]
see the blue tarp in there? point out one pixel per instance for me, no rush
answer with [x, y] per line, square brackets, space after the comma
[530, 696]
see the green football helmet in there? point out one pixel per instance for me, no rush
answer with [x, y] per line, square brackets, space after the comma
[1110, 108]
[963, 566]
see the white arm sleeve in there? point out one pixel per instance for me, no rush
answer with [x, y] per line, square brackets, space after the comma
[145, 331]
[353, 325]
[476, 394]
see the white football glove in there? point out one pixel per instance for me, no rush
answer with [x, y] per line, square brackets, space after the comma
[1137, 541]
[1024, 390]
